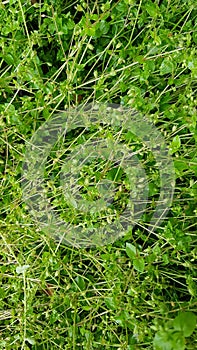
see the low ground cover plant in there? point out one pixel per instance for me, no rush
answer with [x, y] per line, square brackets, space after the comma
[138, 292]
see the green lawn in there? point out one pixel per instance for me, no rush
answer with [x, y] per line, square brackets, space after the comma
[137, 289]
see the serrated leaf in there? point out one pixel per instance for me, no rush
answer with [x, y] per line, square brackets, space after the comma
[185, 322]
[131, 250]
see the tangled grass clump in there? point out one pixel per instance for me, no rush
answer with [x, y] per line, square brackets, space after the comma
[138, 290]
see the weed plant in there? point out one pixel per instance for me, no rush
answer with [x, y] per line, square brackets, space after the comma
[140, 291]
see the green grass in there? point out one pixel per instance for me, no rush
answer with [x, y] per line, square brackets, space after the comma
[133, 293]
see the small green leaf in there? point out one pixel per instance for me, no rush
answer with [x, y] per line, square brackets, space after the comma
[161, 341]
[80, 282]
[181, 164]
[176, 141]
[114, 174]
[103, 27]
[110, 302]
[167, 67]
[168, 340]
[90, 30]
[9, 59]
[79, 8]
[175, 144]
[30, 341]
[185, 322]
[22, 269]
[131, 250]
[139, 264]
[151, 8]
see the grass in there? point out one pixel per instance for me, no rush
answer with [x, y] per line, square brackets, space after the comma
[139, 291]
